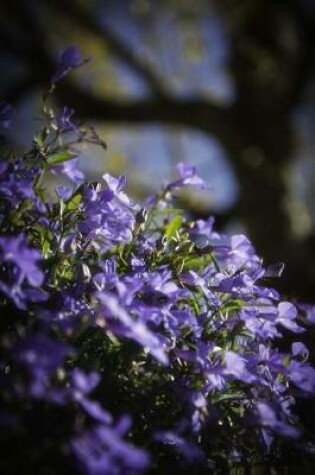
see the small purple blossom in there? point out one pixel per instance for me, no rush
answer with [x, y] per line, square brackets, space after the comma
[188, 177]
[189, 450]
[41, 356]
[271, 420]
[122, 324]
[70, 169]
[64, 122]
[69, 59]
[116, 185]
[302, 374]
[308, 312]
[235, 366]
[286, 317]
[15, 250]
[103, 451]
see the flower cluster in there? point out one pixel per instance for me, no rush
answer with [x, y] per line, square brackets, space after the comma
[131, 338]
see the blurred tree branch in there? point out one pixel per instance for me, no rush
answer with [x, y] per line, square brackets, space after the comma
[82, 17]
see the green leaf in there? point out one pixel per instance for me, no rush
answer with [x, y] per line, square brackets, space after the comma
[173, 226]
[235, 305]
[38, 140]
[60, 157]
[197, 263]
[73, 203]
[46, 248]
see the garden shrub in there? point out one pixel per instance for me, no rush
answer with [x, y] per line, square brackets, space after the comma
[133, 339]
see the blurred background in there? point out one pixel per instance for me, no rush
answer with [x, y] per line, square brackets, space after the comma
[227, 85]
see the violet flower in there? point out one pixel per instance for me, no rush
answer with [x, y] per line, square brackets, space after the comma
[104, 451]
[15, 250]
[69, 59]
[64, 122]
[271, 420]
[188, 177]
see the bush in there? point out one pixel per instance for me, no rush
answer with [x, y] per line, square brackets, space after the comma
[133, 339]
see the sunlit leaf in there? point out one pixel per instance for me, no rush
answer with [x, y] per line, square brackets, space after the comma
[60, 157]
[173, 226]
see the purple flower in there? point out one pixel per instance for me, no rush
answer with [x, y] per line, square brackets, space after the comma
[308, 312]
[270, 419]
[81, 385]
[85, 383]
[64, 122]
[187, 449]
[95, 410]
[202, 325]
[16, 183]
[299, 349]
[260, 319]
[194, 279]
[69, 59]
[103, 451]
[235, 252]
[6, 115]
[107, 278]
[15, 250]
[69, 169]
[116, 185]
[266, 357]
[235, 366]
[302, 374]
[64, 193]
[274, 270]
[39, 352]
[121, 323]
[42, 356]
[109, 215]
[286, 317]
[188, 177]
